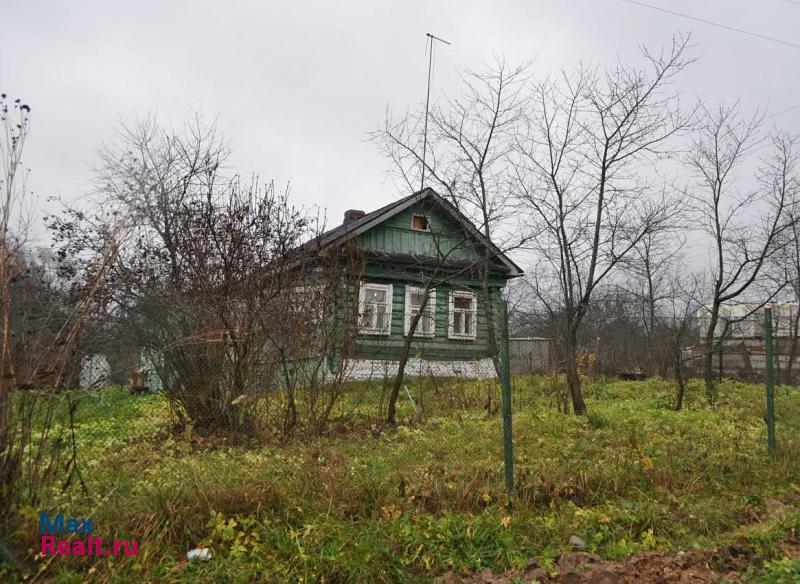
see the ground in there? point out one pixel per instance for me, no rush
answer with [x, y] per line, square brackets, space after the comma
[645, 493]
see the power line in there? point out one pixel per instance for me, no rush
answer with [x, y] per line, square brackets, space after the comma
[717, 24]
[783, 111]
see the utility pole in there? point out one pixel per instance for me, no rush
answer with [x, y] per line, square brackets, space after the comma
[431, 39]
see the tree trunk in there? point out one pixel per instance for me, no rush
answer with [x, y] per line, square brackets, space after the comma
[398, 382]
[573, 378]
[747, 363]
[290, 414]
[708, 355]
[401, 365]
[491, 334]
[679, 380]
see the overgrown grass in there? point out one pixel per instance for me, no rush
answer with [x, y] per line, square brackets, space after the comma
[367, 503]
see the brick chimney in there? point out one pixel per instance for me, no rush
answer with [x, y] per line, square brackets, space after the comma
[352, 214]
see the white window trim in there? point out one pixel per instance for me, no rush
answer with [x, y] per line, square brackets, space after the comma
[409, 316]
[362, 305]
[314, 289]
[451, 334]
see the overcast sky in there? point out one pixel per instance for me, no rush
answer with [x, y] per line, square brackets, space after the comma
[296, 85]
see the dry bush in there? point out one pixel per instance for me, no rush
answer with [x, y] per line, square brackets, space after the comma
[242, 326]
[41, 323]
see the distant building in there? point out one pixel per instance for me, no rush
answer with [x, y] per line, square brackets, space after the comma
[739, 339]
[95, 371]
[746, 321]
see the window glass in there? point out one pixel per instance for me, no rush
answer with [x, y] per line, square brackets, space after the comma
[415, 298]
[307, 302]
[463, 315]
[375, 309]
[462, 302]
[419, 222]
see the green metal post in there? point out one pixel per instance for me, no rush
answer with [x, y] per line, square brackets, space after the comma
[770, 418]
[505, 380]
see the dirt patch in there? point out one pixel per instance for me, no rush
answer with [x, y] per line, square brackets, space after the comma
[652, 567]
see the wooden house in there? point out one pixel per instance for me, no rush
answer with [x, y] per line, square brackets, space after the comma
[421, 242]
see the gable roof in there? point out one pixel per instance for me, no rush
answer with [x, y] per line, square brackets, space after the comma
[355, 227]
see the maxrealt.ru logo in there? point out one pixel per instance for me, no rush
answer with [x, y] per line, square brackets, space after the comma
[73, 536]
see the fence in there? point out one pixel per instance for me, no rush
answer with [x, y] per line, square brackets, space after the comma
[745, 359]
[529, 354]
[759, 360]
[630, 475]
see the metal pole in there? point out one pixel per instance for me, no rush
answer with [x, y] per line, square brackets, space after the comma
[505, 380]
[431, 38]
[770, 417]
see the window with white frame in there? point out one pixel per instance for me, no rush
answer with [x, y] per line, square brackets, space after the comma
[307, 302]
[415, 298]
[375, 309]
[463, 315]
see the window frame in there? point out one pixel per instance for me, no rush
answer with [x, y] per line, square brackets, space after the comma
[473, 311]
[362, 302]
[427, 221]
[408, 316]
[317, 315]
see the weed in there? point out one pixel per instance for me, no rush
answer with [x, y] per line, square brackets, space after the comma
[366, 503]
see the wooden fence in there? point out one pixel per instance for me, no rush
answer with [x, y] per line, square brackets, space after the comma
[529, 354]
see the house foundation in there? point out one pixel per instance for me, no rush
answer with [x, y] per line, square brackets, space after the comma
[365, 369]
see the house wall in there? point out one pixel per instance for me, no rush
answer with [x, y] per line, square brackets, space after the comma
[395, 236]
[436, 348]
[365, 369]
[743, 356]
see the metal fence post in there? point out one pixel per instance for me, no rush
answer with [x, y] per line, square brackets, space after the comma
[770, 417]
[505, 380]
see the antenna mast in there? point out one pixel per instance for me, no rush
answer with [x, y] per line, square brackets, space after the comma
[431, 39]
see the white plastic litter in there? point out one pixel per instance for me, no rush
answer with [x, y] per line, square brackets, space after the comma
[198, 554]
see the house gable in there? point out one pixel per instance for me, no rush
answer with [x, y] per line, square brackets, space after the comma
[452, 237]
[445, 239]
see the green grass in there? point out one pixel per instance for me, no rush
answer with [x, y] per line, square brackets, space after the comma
[371, 504]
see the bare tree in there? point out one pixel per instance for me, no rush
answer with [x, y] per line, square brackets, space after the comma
[745, 228]
[235, 318]
[582, 167]
[41, 327]
[653, 270]
[678, 325]
[786, 262]
[16, 125]
[469, 143]
[149, 171]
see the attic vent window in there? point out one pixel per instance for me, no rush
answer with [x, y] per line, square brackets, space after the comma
[420, 223]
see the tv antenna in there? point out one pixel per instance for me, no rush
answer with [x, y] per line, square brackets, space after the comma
[431, 39]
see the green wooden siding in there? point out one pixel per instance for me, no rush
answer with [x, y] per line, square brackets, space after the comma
[439, 347]
[396, 236]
